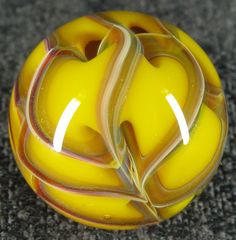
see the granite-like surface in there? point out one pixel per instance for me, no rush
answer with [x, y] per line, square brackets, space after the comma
[23, 23]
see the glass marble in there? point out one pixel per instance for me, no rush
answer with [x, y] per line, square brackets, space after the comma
[118, 120]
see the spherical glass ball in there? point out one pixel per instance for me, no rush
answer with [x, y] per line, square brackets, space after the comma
[118, 120]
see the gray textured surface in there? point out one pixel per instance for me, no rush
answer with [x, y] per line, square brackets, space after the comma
[24, 23]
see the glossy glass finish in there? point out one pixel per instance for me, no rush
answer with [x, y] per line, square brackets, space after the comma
[118, 120]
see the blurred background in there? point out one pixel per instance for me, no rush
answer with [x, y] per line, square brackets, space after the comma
[23, 23]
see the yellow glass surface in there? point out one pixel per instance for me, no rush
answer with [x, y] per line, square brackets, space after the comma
[118, 120]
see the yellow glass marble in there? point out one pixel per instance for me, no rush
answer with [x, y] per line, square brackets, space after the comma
[118, 120]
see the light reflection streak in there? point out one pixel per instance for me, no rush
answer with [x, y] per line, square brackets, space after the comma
[63, 123]
[180, 117]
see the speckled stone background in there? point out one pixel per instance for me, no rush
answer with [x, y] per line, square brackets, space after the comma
[23, 23]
